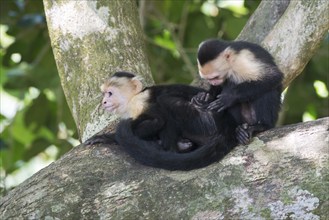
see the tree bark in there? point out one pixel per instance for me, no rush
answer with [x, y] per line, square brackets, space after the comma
[272, 11]
[290, 32]
[90, 41]
[283, 174]
[297, 35]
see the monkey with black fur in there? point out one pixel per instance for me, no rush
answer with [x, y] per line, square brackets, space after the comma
[162, 127]
[245, 81]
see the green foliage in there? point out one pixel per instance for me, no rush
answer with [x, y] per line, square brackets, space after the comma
[173, 32]
[304, 97]
[29, 77]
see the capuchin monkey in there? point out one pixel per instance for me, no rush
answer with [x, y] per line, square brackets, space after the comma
[162, 127]
[244, 81]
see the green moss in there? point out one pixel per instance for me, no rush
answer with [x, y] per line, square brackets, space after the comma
[265, 213]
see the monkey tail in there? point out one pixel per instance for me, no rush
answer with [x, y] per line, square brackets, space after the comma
[151, 154]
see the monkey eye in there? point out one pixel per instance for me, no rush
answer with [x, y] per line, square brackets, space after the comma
[110, 93]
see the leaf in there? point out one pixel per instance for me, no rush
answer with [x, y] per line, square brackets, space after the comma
[10, 155]
[37, 146]
[41, 112]
[63, 147]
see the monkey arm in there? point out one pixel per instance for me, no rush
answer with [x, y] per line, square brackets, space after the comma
[178, 107]
[148, 125]
[245, 92]
[248, 91]
[187, 117]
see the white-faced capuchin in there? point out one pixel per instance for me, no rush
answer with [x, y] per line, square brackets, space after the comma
[244, 80]
[162, 127]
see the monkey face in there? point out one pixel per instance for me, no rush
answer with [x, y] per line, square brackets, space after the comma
[118, 93]
[214, 71]
[114, 101]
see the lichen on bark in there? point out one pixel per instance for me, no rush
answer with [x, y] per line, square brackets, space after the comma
[91, 40]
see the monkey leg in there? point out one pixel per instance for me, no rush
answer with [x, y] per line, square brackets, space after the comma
[148, 128]
[185, 145]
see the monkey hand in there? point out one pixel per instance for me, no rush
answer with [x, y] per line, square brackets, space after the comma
[243, 134]
[201, 100]
[221, 103]
[101, 139]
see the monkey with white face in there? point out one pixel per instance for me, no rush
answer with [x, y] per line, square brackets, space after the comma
[162, 127]
[245, 81]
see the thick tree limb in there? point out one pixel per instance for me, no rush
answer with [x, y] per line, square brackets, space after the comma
[292, 33]
[297, 35]
[272, 11]
[282, 174]
[91, 40]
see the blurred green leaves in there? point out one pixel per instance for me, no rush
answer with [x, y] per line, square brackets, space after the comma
[307, 97]
[174, 29]
[29, 78]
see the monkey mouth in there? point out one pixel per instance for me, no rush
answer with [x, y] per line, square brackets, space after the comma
[109, 108]
[216, 81]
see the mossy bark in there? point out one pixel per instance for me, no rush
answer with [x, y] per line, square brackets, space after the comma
[282, 174]
[290, 30]
[91, 40]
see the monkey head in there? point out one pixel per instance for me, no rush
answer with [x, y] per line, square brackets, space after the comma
[118, 92]
[214, 59]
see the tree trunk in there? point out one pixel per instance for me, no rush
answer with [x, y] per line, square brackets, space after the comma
[283, 174]
[91, 40]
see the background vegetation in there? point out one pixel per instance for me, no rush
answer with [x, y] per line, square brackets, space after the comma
[36, 124]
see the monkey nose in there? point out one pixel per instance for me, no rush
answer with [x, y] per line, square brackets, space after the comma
[104, 102]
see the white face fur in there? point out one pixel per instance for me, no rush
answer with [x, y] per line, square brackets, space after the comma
[114, 101]
[118, 93]
[239, 67]
[216, 71]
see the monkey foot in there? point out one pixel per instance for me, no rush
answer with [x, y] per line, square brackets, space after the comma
[243, 134]
[184, 145]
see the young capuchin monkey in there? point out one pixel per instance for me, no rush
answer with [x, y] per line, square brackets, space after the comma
[161, 127]
[244, 80]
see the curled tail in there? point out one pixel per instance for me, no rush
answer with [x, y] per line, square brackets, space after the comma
[151, 154]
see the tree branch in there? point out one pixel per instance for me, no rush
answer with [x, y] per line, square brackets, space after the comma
[272, 11]
[280, 175]
[297, 35]
[291, 30]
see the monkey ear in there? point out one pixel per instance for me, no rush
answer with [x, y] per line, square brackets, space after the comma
[138, 85]
[103, 87]
[227, 54]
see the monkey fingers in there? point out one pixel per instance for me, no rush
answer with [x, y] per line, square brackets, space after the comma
[203, 96]
[101, 139]
[201, 100]
[243, 134]
[216, 105]
[199, 97]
